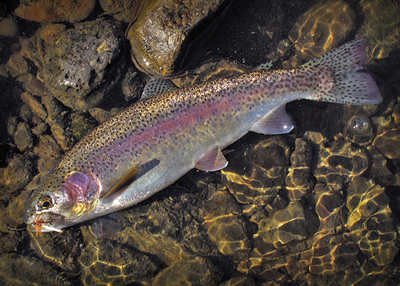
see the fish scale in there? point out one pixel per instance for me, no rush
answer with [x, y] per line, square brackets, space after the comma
[153, 143]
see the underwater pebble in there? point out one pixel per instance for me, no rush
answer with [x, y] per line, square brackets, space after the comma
[57, 10]
[42, 274]
[210, 71]
[60, 249]
[381, 169]
[12, 124]
[26, 113]
[40, 128]
[192, 271]
[8, 241]
[35, 87]
[14, 215]
[388, 143]
[132, 84]
[8, 27]
[340, 162]
[239, 281]
[298, 180]
[57, 121]
[17, 65]
[81, 124]
[16, 175]
[23, 137]
[121, 10]
[49, 153]
[370, 220]
[102, 115]
[224, 223]
[381, 27]
[117, 264]
[322, 28]
[63, 138]
[266, 170]
[34, 105]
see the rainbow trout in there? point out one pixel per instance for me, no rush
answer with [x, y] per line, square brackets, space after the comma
[151, 144]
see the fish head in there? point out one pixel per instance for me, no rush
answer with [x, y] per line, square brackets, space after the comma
[64, 198]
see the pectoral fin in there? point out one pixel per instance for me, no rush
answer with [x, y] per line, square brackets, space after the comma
[276, 122]
[213, 160]
[122, 184]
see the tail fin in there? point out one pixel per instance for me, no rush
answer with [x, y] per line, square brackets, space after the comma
[352, 86]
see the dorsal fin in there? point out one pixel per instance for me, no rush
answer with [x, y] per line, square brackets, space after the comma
[157, 86]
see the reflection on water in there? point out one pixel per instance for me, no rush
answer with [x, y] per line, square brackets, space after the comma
[318, 206]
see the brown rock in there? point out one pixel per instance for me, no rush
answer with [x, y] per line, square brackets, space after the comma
[159, 30]
[35, 87]
[381, 27]
[121, 10]
[23, 137]
[16, 269]
[50, 32]
[224, 223]
[17, 65]
[322, 28]
[49, 153]
[58, 10]
[102, 115]
[63, 138]
[8, 27]
[14, 214]
[15, 176]
[12, 125]
[34, 105]
[40, 128]
[192, 271]
[388, 143]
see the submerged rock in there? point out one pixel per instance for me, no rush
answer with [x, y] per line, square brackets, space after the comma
[321, 28]
[159, 30]
[15, 176]
[57, 11]
[23, 137]
[8, 27]
[78, 61]
[381, 27]
[225, 224]
[17, 269]
[263, 175]
[106, 261]
[121, 10]
[192, 271]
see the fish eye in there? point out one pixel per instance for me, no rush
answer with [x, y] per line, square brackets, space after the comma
[45, 202]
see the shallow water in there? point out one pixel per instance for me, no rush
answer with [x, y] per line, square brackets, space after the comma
[317, 206]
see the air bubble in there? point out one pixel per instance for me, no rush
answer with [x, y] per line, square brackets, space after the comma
[359, 124]
[359, 130]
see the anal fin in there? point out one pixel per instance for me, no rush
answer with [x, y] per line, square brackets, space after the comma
[276, 122]
[213, 160]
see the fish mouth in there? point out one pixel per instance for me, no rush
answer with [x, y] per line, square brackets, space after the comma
[45, 223]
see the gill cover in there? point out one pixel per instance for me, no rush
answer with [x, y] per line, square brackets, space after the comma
[83, 191]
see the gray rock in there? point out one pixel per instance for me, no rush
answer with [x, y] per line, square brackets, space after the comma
[77, 61]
